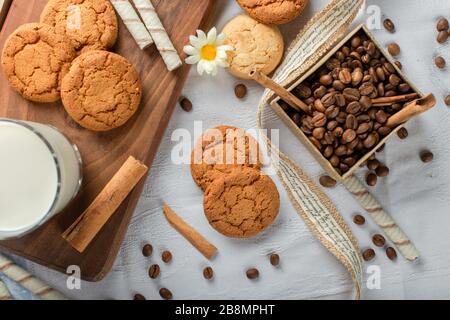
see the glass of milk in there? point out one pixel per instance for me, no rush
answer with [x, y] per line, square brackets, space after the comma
[40, 173]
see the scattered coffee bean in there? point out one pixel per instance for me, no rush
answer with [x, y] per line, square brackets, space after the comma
[147, 250]
[165, 294]
[440, 62]
[252, 273]
[154, 271]
[391, 253]
[139, 296]
[442, 25]
[378, 240]
[382, 171]
[399, 65]
[368, 254]
[373, 164]
[371, 179]
[240, 91]
[186, 104]
[402, 133]
[426, 156]
[327, 181]
[274, 259]
[442, 37]
[359, 219]
[208, 273]
[389, 25]
[447, 100]
[166, 256]
[394, 49]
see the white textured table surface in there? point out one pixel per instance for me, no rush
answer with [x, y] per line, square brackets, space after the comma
[417, 195]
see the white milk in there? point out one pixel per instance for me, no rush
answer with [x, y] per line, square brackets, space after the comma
[39, 175]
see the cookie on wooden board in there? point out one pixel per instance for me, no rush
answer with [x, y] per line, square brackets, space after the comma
[90, 24]
[101, 91]
[242, 203]
[35, 59]
[219, 151]
[256, 46]
[273, 11]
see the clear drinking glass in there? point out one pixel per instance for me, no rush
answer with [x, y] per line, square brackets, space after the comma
[40, 173]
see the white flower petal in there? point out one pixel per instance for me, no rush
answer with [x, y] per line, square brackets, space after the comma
[223, 63]
[195, 42]
[200, 67]
[201, 35]
[225, 48]
[222, 55]
[192, 59]
[190, 50]
[212, 35]
[220, 38]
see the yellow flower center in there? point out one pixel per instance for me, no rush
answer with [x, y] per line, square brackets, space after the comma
[209, 52]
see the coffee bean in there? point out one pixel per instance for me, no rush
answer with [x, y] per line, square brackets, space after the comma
[402, 133]
[320, 92]
[154, 271]
[166, 256]
[315, 142]
[208, 273]
[349, 135]
[186, 104]
[389, 25]
[328, 152]
[351, 122]
[380, 74]
[332, 64]
[391, 253]
[426, 156]
[332, 112]
[274, 259]
[326, 80]
[351, 94]
[357, 76]
[394, 80]
[147, 250]
[394, 49]
[328, 99]
[318, 105]
[399, 65]
[381, 116]
[442, 37]
[343, 167]
[382, 171]
[356, 42]
[373, 164]
[359, 219]
[353, 107]
[303, 91]
[447, 100]
[334, 161]
[370, 141]
[252, 273]
[442, 25]
[345, 76]
[319, 120]
[366, 89]
[384, 131]
[378, 240]
[368, 254]
[371, 179]
[165, 293]
[138, 296]
[404, 88]
[440, 62]
[240, 91]
[327, 181]
[338, 85]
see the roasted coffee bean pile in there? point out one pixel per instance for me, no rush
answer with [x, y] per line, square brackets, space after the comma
[343, 124]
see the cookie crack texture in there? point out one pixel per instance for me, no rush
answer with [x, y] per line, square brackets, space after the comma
[98, 26]
[273, 11]
[101, 91]
[242, 203]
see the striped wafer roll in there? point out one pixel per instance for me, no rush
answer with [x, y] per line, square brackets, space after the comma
[28, 281]
[158, 33]
[382, 218]
[4, 292]
[133, 23]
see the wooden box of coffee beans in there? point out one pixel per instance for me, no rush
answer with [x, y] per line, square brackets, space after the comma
[345, 127]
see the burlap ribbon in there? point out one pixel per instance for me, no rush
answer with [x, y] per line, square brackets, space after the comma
[319, 36]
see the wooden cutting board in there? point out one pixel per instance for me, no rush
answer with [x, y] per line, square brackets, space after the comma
[104, 153]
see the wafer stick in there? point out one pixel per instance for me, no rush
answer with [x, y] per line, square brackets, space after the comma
[195, 238]
[133, 23]
[4, 292]
[381, 218]
[158, 33]
[85, 228]
[28, 281]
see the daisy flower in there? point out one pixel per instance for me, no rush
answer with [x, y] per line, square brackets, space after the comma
[208, 51]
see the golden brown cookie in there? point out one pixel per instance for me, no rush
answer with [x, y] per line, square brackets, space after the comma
[242, 203]
[101, 91]
[35, 59]
[256, 46]
[273, 11]
[219, 151]
[90, 24]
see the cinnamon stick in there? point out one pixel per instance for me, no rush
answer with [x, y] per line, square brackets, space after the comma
[195, 238]
[288, 97]
[394, 99]
[85, 228]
